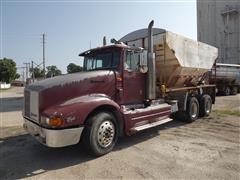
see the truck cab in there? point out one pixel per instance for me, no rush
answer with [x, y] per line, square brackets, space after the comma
[117, 94]
[124, 62]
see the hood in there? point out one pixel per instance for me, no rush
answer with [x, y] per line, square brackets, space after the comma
[56, 90]
[65, 80]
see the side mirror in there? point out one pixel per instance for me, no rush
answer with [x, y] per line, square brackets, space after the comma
[143, 62]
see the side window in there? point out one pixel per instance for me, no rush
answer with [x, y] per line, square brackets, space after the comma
[132, 60]
[127, 63]
[136, 61]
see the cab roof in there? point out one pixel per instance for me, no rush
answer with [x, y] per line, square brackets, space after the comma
[104, 47]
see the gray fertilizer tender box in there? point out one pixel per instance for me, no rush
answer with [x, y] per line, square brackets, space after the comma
[180, 61]
[227, 78]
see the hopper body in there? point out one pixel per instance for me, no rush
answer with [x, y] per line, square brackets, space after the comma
[180, 61]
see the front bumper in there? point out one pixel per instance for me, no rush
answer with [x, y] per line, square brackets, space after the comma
[52, 137]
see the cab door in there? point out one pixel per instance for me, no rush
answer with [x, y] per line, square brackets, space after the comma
[134, 81]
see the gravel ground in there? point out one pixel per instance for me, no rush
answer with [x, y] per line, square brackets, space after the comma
[206, 149]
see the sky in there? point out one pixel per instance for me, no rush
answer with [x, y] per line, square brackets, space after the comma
[73, 26]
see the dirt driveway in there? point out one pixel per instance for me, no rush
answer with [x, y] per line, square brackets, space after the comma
[206, 149]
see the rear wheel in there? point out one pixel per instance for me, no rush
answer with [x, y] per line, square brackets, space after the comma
[205, 105]
[234, 91]
[227, 91]
[100, 134]
[192, 112]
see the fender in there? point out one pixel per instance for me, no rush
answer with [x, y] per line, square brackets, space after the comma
[76, 110]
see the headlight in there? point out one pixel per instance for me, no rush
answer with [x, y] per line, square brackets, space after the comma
[52, 122]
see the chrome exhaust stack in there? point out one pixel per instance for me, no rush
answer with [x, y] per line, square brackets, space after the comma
[151, 75]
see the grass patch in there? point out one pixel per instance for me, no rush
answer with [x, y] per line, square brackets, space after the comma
[227, 112]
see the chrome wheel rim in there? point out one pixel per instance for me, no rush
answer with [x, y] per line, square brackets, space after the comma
[105, 134]
[194, 110]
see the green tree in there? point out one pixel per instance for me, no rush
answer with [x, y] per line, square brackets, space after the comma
[53, 71]
[7, 70]
[72, 68]
[38, 73]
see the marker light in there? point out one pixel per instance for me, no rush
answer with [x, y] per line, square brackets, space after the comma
[55, 122]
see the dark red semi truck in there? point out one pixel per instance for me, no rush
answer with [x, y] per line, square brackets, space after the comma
[147, 78]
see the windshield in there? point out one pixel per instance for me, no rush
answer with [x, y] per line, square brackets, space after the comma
[101, 60]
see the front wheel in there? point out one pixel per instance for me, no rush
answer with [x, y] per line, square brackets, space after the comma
[100, 134]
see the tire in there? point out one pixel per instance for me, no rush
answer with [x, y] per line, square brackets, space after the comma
[179, 116]
[205, 106]
[227, 91]
[187, 116]
[100, 133]
[192, 112]
[234, 91]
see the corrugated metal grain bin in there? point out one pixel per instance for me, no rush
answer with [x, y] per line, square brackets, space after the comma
[180, 61]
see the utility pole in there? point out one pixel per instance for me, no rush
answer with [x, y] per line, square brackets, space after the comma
[33, 77]
[23, 76]
[27, 71]
[43, 36]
